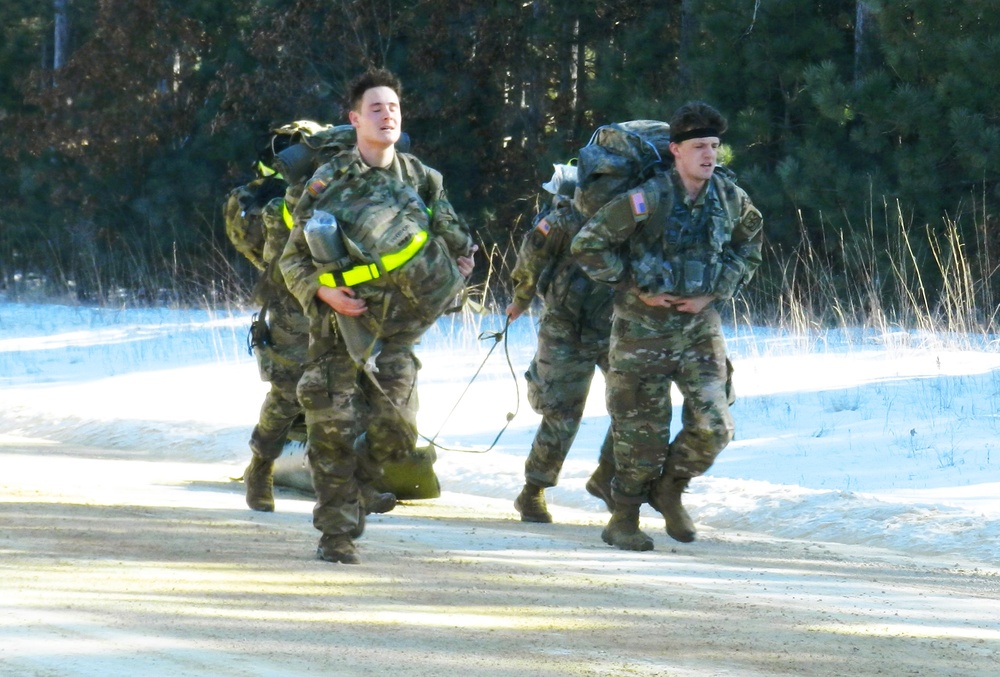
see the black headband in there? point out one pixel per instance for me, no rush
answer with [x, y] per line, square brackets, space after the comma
[698, 133]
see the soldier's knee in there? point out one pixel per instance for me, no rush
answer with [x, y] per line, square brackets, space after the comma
[331, 458]
[555, 402]
[622, 393]
[312, 389]
[267, 444]
[285, 389]
[314, 399]
[725, 430]
[536, 388]
[727, 436]
[711, 439]
[389, 444]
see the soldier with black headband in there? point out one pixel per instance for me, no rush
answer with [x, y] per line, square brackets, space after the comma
[671, 248]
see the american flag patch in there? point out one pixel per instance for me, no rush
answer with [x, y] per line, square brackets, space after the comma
[543, 226]
[316, 187]
[638, 200]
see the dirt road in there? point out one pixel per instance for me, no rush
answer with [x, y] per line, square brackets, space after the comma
[130, 566]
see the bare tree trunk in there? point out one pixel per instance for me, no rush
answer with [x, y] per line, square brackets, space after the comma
[60, 38]
[581, 90]
[567, 72]
[531, 83]
[574, 67]
[864, 39]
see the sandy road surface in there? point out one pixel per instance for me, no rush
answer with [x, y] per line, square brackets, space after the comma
[115, 566]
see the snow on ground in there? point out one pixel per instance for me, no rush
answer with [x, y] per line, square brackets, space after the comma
[880, 440]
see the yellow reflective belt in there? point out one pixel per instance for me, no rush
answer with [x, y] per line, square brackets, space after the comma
[286, 215]
[394, 261]
[367, 272]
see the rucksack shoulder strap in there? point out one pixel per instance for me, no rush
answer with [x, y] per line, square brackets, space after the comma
[725, 186]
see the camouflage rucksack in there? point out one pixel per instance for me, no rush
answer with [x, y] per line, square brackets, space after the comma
[242, 215]
[311, 145]
[618, 157]
[308, 145]
[294, 153]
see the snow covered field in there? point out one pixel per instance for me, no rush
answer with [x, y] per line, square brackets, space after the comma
[886, 441]
[851, 528]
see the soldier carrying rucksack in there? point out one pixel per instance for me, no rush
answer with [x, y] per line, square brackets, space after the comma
[573, 336]
[258, 222]
[409, 255]
[671, 248]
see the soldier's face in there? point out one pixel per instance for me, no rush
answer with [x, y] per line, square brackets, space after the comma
[379, 120]
[695, 158]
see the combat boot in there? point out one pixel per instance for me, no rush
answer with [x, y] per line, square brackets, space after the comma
[374, 501]
[531, 504]
[338, 548]
[666, 498]
[259, 484]
[623, 529]
[599, 484]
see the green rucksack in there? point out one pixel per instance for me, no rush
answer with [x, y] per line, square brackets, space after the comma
[619, 157]
[311, 145]
[296, 150]
[241, 212]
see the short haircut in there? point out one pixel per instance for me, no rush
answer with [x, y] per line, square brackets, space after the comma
[375, 77]
[697, 115]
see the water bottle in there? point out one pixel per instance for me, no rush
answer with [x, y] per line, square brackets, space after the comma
[323, 238]
[326, 246]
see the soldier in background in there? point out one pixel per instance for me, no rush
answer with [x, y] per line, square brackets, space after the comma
[573, 335]
[280, 338]
[409, 256]
[671, 248]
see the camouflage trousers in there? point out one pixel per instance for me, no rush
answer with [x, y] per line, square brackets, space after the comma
[280, 363]
[559, 379]
[341, 402]
[687, 351]
[277, 415]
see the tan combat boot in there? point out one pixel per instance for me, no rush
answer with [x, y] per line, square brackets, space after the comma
[623, 529]
[374, 501]
[666, 498]
[338, 548]
[259, 484]
[531, 504]
[599, 484]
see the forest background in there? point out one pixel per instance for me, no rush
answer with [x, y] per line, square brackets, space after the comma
[866, 131]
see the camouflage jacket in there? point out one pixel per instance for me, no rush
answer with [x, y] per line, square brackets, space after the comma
[546, 268]
[376, 208]
[653, 240]
[281, 357]
[271, 289]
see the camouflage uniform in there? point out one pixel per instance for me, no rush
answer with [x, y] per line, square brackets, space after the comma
[380, 211]
[280, 334]
[654, 240]
[573, 336]
[281, 360]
